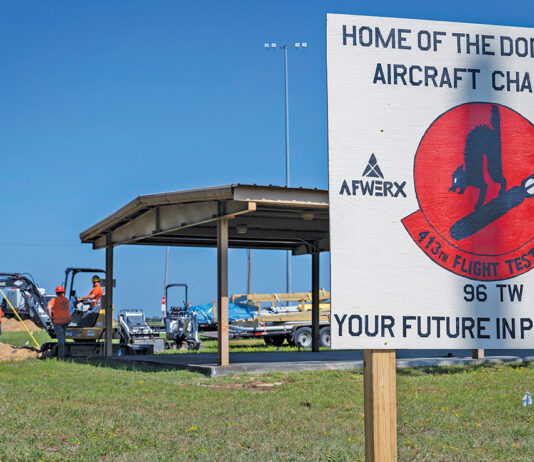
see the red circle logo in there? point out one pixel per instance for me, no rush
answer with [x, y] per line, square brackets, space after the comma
[474, 177]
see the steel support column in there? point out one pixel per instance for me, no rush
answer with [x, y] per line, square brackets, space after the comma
[108, 347]
[315, 299]
[222, 292]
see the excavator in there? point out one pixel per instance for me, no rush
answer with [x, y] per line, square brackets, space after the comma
[87, 326]
[88, 317]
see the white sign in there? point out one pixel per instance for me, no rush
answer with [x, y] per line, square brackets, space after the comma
[431, 174]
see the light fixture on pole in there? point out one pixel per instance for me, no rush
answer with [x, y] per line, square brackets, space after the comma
[274, 46]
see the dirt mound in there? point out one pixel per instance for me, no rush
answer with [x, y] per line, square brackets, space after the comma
[9, 353]
[12, 325]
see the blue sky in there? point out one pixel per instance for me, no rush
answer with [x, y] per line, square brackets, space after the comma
[104, 101]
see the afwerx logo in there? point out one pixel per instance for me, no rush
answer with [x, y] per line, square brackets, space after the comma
[376, 188]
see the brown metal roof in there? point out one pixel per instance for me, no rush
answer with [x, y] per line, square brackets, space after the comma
[270, 217]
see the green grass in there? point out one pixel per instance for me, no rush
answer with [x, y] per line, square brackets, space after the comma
[238, 346]
[21, 339]
[52, 410]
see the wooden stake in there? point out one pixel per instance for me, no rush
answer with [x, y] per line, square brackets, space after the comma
[380, 405]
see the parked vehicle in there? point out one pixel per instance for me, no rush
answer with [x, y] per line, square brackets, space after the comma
[181, 324]
[277, 323]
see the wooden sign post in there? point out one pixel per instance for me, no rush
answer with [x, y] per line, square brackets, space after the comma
[380, 405]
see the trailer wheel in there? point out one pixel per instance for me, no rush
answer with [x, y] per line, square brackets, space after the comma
[268, 340]
[303, 337]
[324, 337]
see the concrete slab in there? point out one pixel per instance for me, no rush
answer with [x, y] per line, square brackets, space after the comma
[280, 361]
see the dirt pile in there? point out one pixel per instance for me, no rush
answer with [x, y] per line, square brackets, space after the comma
[9, 353]
[12, 325]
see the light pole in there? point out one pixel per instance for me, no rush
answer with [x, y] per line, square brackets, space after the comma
[274, 46]
[166, 269]
[249, 278]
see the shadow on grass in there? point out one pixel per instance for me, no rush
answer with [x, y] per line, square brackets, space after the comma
[122, 365]
[448, 370]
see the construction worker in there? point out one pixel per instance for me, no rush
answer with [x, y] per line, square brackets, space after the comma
[96, 291]
[58, 311]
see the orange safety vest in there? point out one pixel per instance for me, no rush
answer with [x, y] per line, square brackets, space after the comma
[1, 314]
[60, 310]
[97, 292]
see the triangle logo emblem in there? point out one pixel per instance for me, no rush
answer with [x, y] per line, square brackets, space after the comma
[372, 169]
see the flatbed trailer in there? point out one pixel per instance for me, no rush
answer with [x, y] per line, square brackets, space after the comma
[294, 327]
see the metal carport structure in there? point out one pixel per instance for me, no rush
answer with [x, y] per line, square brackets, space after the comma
[231, 216]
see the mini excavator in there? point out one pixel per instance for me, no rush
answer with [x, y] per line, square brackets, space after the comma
[87, 327]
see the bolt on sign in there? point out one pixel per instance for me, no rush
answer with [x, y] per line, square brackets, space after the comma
[431, 179]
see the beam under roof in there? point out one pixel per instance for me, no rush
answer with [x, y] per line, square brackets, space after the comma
[267, 217]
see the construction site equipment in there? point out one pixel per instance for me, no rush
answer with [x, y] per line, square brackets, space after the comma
[86, 328]
[278, 324]
[88, 316]
[14, 299]
[136, 335]
[32, 303]
[181, 324]
[19, 318]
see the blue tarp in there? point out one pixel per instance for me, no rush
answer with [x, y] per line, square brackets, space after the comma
[241, 311]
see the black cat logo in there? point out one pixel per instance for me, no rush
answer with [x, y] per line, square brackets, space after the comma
[491, 241]
[481, 140]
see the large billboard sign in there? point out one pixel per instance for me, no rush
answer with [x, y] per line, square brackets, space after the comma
[431, 175]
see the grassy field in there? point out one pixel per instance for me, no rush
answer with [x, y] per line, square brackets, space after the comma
[21, 339]
[238, 346]
[54, 410]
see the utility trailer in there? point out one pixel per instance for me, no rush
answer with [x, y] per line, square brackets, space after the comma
[278, 323]
[275, 328]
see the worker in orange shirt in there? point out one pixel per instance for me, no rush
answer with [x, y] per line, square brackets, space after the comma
[59, 313]
[96, 291]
